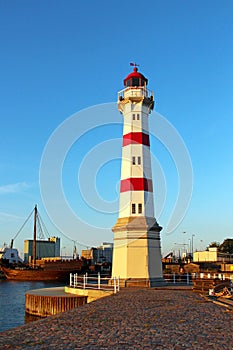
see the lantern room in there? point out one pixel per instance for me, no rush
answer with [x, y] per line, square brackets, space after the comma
[135, 90]
[135, 79]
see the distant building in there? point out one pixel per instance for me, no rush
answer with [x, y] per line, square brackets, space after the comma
[99, 255]
[104, 252]
[44, 249]
[212, 255]
[168, 258]
[90, 254]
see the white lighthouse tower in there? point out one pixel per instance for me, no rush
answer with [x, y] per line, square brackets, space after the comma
[137, 252]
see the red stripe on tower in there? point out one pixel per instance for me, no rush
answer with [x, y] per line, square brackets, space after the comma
[136, 137]
[136, 184]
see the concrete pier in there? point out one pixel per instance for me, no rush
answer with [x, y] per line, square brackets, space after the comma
[131, 319]
[51, 301]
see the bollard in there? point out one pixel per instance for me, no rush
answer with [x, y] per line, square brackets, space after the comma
[174, 277]
[187, 278]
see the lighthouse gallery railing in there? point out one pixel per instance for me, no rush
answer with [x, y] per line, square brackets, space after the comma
[139, 91]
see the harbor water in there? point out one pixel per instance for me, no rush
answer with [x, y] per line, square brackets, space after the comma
[12, 301]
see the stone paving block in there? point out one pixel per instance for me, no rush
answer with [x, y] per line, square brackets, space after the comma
[132, 319]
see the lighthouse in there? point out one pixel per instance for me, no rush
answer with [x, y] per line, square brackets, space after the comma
[137, 251]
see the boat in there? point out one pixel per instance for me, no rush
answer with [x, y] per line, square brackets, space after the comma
[38, 273]
[10, 255]
[46, 269]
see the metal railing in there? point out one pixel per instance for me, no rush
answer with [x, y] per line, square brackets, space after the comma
[139, 91]
[95, 283]
[175, 278]
[221, 276]
[187, 278]
[113, 284]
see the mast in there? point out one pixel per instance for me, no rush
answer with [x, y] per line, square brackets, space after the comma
[34, 238]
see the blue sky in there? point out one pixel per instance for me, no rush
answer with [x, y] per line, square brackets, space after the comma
[60, 57]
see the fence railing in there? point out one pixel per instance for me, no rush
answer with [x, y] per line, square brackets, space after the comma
[96, 283]
[187, 278]
[113, 284]
[178, 278]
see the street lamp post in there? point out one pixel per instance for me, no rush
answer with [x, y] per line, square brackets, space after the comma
[174, 250]
[201, 244]
[190, 247]
[184, 232]
[192, 244]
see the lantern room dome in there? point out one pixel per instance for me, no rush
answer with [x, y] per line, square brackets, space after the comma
[135, 79]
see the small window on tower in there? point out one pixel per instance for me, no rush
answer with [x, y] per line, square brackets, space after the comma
[133, 160]
[133, 116]
[133, 208]
[139, 208]
[138, 116]
[139, 160]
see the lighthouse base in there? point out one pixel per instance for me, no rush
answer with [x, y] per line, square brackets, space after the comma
[137, 259]
[142, 282]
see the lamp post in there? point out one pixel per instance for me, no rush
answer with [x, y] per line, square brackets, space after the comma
[201, 244]
[192, 244]
[184, 232]
[175, 251]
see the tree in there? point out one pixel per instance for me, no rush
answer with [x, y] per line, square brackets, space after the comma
[226, 246]
[214, 245]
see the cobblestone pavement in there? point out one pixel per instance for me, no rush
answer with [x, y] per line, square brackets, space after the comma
[132, 319]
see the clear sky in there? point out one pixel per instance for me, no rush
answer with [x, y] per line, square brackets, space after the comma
[59, 57]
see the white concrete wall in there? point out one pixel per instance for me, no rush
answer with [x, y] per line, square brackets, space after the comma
[210, 256]
[136, 256]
